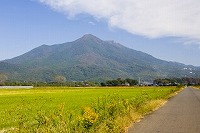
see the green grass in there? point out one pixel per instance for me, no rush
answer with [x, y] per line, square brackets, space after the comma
[30, 107]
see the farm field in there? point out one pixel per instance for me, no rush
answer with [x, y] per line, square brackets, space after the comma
[27, 108]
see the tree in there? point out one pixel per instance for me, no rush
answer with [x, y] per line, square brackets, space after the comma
[60, 79]
[120, 82]
[3, 78]
[131, 82]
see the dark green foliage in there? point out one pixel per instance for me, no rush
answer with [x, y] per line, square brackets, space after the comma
[131, 82]
[120, 82]
[177, 81]
[43, 84]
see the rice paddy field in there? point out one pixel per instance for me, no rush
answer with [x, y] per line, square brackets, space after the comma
[64, 109]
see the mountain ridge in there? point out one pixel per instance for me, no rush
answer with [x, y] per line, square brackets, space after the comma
[90, 58]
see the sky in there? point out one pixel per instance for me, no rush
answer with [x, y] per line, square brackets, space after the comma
[168, 30]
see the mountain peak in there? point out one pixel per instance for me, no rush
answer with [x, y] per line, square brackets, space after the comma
[88, 37]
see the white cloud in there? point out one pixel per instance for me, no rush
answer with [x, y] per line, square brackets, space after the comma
[92, 23]
[190, 41]
[150, 18]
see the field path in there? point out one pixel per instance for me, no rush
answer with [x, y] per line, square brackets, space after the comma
[181, 114]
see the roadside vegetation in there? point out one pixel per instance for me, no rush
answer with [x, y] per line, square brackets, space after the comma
[62, 109]
[197, 87]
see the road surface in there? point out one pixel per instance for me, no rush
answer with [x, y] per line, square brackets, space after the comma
[181, 114]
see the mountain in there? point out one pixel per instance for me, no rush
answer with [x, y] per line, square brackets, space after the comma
[90, 58]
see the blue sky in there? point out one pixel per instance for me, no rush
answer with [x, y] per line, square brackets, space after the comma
[26, 24]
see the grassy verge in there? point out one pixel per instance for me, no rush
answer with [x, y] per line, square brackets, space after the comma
[100, 110]
[196, 87]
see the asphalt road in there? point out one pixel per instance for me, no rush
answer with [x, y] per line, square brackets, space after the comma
[181, 114]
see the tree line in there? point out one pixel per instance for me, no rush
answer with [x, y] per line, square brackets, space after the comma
[120, 82]
[62, 81]
[177, 81]
[43, 84]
